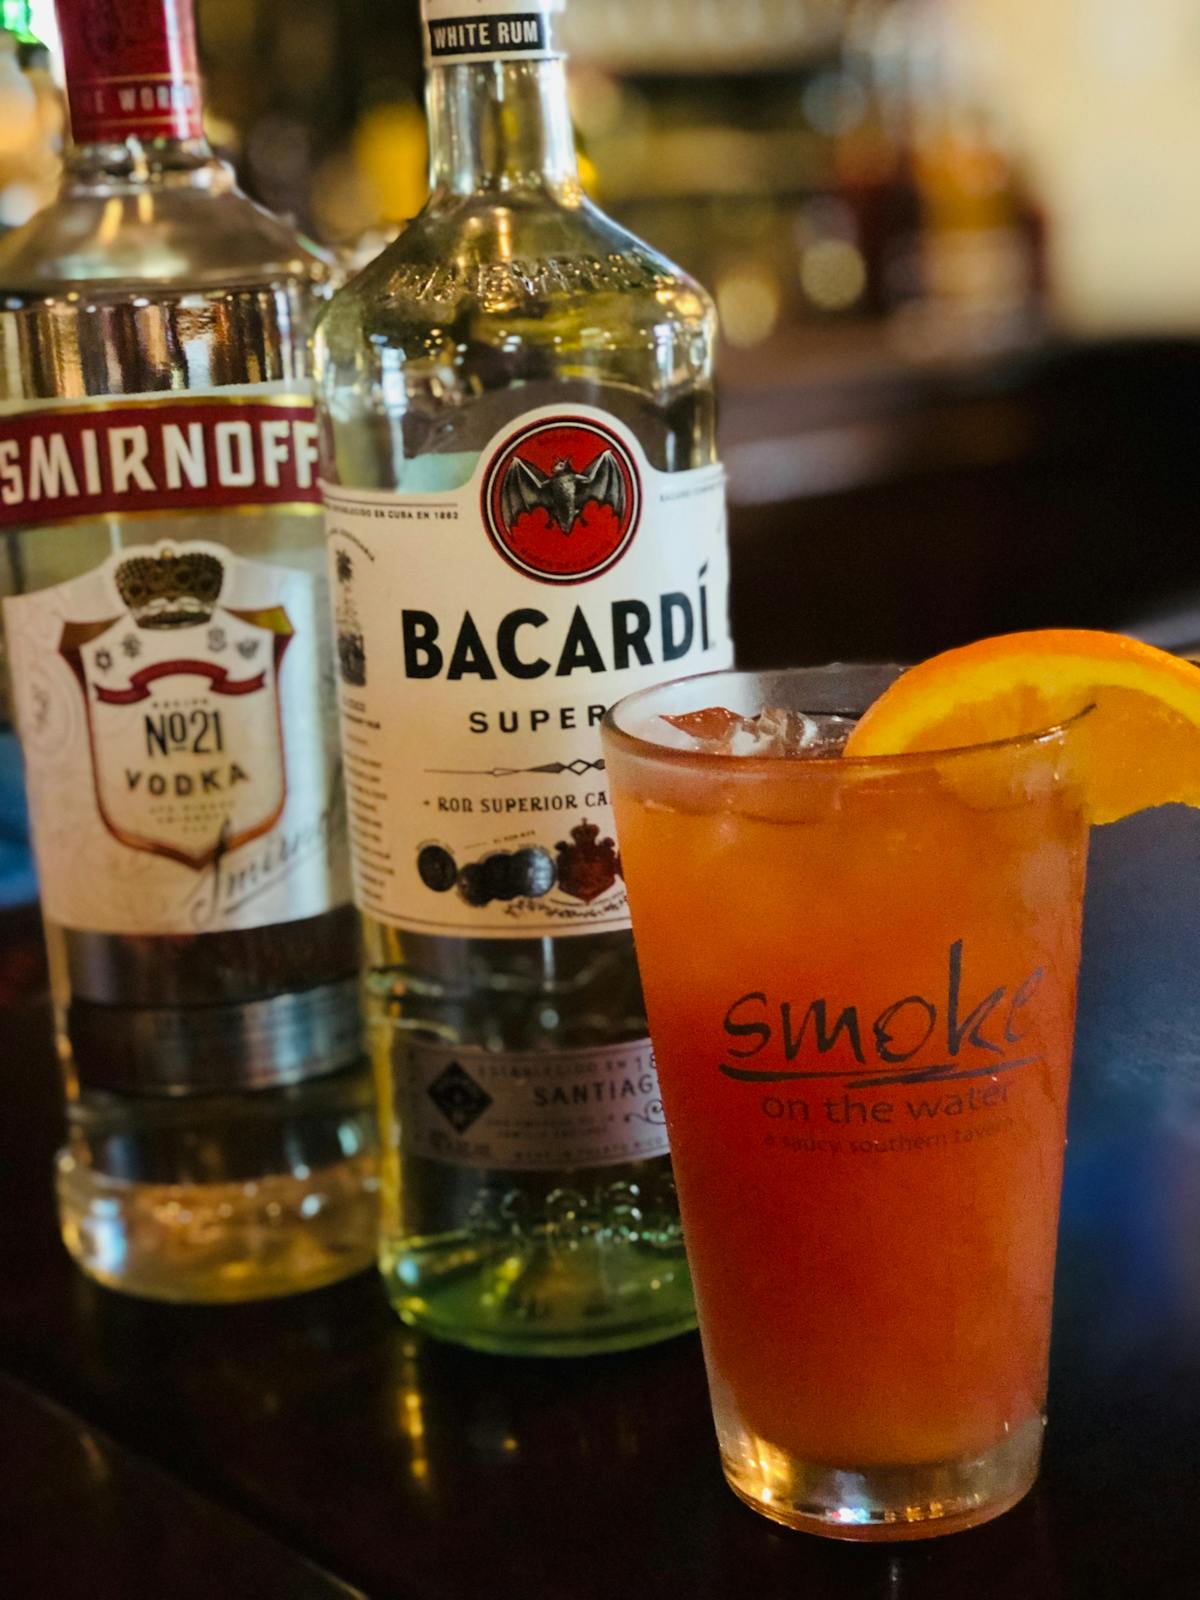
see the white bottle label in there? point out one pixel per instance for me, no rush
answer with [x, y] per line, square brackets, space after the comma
[532, 1111]
[174, 701]
[459, 31]
[482, 631]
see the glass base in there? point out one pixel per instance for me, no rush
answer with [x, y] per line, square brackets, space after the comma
[882, 1503]
[280, 1234]
[539, 1302]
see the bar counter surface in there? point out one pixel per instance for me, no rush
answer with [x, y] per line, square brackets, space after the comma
[316, 1448]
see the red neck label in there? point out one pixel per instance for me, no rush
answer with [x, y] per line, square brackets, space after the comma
[131, 69]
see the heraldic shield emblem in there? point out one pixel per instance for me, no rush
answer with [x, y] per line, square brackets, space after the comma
[183, 710]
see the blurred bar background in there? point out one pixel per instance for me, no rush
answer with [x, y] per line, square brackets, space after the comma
[954, 244]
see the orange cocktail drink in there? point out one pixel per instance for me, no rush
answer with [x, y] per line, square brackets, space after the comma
[860, 977]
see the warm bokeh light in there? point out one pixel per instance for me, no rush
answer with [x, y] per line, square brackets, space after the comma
[748, 300]
[833, 274]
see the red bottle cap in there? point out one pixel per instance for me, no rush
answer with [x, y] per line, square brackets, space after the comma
[131, 69]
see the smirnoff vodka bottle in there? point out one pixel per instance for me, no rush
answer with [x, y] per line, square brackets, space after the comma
[165, 621]
[526, 520]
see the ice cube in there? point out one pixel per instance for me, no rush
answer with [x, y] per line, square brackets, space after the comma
[710, 730]
[775, 731]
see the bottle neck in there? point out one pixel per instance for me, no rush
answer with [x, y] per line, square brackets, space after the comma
[502, 127]
[155, 163]
[133, 92]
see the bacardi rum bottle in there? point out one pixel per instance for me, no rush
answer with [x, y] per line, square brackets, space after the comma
[166, 625]
[526, 520]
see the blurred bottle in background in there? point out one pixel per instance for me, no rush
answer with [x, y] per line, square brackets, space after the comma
[322, 113]
[967, 272]
[829, 166]
[31, 124]
[31, 118]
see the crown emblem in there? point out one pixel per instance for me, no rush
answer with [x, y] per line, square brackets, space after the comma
[170, 590]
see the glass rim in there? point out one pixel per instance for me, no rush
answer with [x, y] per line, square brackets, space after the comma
[637, 745]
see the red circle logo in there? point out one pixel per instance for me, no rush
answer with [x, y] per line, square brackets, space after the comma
[562, 500]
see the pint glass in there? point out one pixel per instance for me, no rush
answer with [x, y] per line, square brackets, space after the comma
[860, 978]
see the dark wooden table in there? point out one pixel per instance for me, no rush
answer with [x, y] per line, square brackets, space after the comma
[315, 1448]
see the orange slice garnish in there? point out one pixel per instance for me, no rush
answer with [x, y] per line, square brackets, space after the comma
[1141, 743]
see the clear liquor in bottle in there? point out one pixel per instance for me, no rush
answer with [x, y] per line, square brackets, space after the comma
[526, 520]
[171, 676]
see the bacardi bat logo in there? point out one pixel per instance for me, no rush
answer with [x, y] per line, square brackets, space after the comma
[562, 499]
[564, 494]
